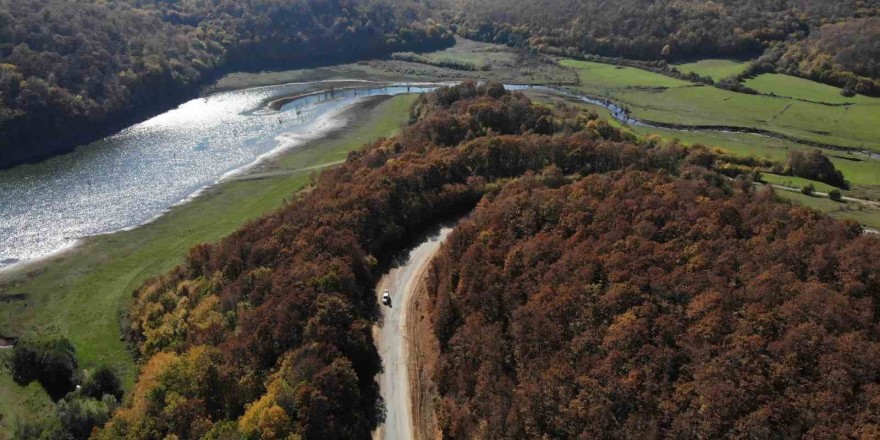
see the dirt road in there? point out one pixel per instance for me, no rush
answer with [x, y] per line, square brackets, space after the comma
[392, 339]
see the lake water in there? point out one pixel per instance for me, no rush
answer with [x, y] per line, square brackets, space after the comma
[127, 179]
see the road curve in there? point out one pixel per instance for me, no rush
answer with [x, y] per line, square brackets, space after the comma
[392, 340]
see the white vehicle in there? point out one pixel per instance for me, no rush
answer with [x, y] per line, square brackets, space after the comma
[386, 298]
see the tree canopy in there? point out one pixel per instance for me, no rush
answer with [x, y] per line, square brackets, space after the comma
[73, 70]
[606, 285]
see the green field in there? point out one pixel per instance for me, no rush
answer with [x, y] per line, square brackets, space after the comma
[860, 170]
[716, 69]
[866, 215]
[796, 182]
[607, 77]
[655, 97]
[80, 294]
[800, 88]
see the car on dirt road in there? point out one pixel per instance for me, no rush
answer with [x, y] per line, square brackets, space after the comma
[386, 298]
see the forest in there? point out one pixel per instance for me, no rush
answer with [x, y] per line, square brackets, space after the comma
[631, 274]
[71, 71]
[266, 334]
[644, 304]
[828, 41]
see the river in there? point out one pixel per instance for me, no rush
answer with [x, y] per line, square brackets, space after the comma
[129, 178]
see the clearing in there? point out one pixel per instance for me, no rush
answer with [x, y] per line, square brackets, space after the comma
[716, 69]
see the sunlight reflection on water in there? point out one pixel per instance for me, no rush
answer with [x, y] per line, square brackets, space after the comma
[131, 177]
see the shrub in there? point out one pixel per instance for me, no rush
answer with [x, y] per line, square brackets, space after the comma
[44, 429]
[80, 414]
[51, 362]
[808, 189]
[835, 195]
[102, 381]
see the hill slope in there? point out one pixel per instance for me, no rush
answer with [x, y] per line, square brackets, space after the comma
[647, 289]
[71, 71]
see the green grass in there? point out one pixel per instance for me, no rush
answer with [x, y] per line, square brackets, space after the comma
[80, 294]
[716, 69]
[859, 170]
[796, 182]
[800, 88]
[655, 97]
[17, 402]
[854, 126]
[866, 215]
[609, 77]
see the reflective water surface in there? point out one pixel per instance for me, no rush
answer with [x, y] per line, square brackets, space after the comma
[129, 178]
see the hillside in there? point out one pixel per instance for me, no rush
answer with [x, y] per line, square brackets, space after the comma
[837, 35]
[266, 334]
[72, 71]
[843, 54]
[641, 305]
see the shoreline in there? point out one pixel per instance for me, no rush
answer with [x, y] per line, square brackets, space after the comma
[336, 120]
[332, 124]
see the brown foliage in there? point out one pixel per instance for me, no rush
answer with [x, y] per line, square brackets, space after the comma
[641, 305]
[282, 309]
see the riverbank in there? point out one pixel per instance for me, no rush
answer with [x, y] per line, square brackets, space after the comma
[83, 292]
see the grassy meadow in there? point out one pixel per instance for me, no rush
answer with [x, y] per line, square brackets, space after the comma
[655, 97]
[866, 215]
[716, 69]
[800, 88]
[608, 77]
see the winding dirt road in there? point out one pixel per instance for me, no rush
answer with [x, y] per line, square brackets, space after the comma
[393, 341]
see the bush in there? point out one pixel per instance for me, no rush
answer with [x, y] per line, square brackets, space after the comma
[808, 189]
[45, 429]
[814, 165]
[102, 381]
[52, 363]
[79, 414]
[835, 195]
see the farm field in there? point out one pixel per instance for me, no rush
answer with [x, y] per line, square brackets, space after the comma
[655, 97]
[607, 77]
[800, 88]
[716, 69]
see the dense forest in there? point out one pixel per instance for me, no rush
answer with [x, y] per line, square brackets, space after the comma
[829, 41]
[73, 70]
[638, 304]
[266, 334]
[843, 54]
[652, 292]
